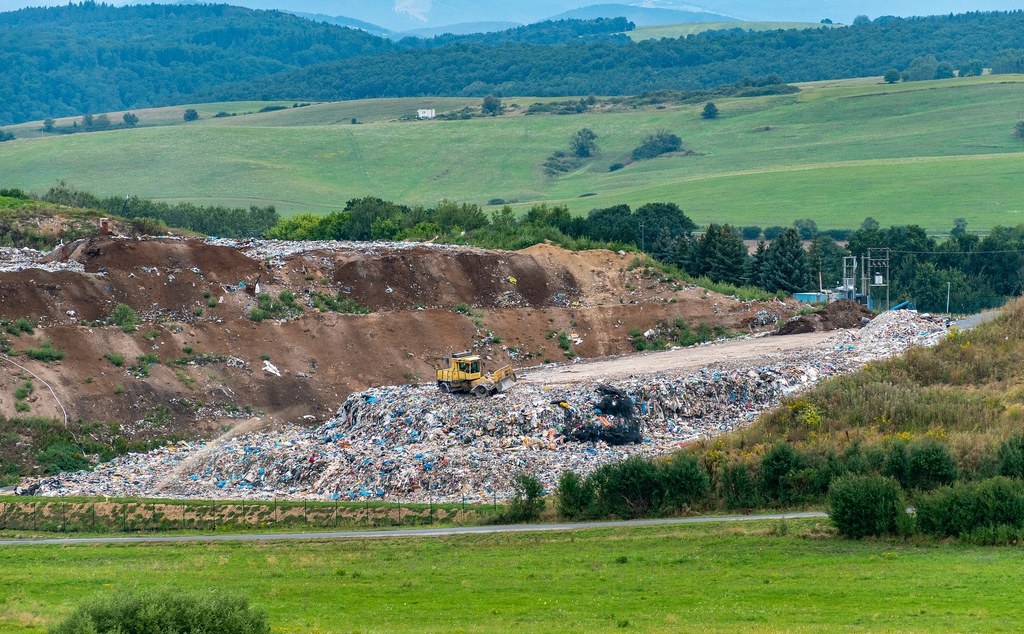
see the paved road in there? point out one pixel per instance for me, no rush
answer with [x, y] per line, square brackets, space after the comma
[977, 320]
[404, 533]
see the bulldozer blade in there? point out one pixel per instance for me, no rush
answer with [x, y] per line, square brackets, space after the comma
[504, 384]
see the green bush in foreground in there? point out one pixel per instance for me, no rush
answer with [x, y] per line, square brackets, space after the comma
[528, 503]
[167, 611]
[964, 509]
[866, 506]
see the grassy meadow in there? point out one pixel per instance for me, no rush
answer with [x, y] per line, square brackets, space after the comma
[659, 31]
[698, 578]
[923, 152]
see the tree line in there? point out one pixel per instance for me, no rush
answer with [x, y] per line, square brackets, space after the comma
[88, 57]
[704, 60]
[231, 222]
[970, 271]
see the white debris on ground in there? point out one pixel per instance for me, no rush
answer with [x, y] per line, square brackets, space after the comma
[13, 260]
[270, 250]
[414, 443]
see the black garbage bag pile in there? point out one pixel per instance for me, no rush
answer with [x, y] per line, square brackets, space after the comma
[611, 421]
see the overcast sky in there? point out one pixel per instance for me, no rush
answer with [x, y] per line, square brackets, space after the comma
[408, 14]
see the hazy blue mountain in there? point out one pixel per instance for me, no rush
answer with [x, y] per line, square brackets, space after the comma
[464, 28]
[405, 15]
[341, 20]
[641, 16]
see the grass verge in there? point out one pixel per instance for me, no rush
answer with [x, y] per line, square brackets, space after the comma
[756, 577]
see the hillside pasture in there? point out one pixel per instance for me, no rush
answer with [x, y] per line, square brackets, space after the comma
[656, 32]
[924, 152]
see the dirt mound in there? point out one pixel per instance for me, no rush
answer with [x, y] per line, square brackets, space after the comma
[842, 314]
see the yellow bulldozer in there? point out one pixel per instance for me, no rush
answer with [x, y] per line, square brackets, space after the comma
[465, 374]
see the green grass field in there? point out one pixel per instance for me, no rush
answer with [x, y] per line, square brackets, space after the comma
[714, 578]
[923, 152]
[682, 30]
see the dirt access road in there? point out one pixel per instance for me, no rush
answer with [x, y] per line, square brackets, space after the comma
[744, 352]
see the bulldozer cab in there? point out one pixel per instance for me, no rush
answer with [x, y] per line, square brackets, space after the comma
[470, 367]
[462, 368]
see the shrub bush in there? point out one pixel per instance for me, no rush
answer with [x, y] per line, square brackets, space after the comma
[738, 487]
[963, 509]
[778, 467]
[61, 457]
[46, 352]
[684, 481]
[750, 233]
[929, 464]
[865, 505]
[575, 495]
[168, 611]
[148, 226]
[527, 502]
[630, 488]
[661, 142]
[124, 317]
[1010, 457]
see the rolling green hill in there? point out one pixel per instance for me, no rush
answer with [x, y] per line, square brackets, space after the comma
[923, 152]
[682, 30]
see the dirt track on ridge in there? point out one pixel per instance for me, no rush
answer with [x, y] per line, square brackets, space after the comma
[737, 351]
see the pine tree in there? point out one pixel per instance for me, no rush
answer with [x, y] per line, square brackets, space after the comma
[727, 257]
[785, 267]
[755, 266]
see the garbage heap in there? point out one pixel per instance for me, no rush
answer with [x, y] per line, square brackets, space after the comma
[414, 443]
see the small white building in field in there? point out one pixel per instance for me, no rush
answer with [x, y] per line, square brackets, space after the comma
[426, 113]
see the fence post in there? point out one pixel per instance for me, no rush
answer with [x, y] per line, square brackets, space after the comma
[63, 520]
[93, 516]
[399, 511]
[430, 502]
[335, 508]
[366, 512]
[277, 515]
[305, 516]
[124, 517]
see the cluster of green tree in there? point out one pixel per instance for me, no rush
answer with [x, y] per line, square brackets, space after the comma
[708, 59]
[784, 476]
[582, 144]
[973, 272]
[88, 57]
[654, 145]
[573, 106]
[214, 221]
[986, 512]
[6, 136]
[90, 123]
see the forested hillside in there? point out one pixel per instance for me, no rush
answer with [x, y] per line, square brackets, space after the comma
[90, 58]
[699, 61]
[95, 58]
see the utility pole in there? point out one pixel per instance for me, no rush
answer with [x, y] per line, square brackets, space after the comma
[948, 286]
[878, 262]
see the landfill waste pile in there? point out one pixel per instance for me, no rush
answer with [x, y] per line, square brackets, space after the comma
[414, 443]
[13, 260]
[844, 313]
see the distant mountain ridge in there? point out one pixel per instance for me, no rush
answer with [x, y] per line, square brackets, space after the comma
[642, 16]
